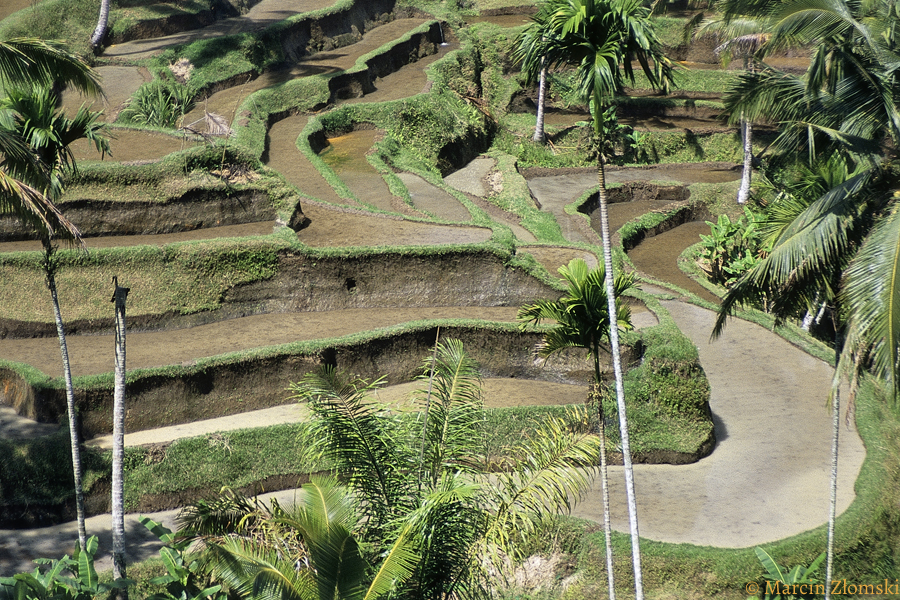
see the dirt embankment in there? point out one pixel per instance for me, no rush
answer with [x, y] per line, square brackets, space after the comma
[195, 209]
[188, 393]
[309, 282]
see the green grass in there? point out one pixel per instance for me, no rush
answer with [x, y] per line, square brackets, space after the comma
[73, 21]
[38, 472]
[240, 458]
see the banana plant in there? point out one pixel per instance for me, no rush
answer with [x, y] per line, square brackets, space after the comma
[183, 580]
[81, 582]
[782, 584]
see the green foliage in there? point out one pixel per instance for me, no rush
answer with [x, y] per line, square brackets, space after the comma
[71, 21]
[39, 471]
[790, 585]
[733, 247]
[183, 579]
[160, 103]
[429, 484]
[81, 583]
[582, 316]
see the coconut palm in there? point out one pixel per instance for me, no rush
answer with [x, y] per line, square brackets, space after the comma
[29, 116]
[120, 296]
[745, 36]
[600, 39]
[582, 321]
[102, 23]
[26, 63]
[845, 106]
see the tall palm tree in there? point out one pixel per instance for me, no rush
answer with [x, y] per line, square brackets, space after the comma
[744, 37]
[102, 24]
[600, 39]
[845, 106]
[29, 115]
[120, 296]
[582, 321]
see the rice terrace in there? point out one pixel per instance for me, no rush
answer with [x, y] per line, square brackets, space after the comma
[358, 240]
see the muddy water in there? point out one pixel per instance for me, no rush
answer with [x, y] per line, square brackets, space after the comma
[282, 152]
[657, 256]
[331, 227]
[119, 83]
[346, 155]
[554, 257]
[432, 200]
[407, 81]
[129, 145]
[8, 7]
[92, 354]
[286, 158]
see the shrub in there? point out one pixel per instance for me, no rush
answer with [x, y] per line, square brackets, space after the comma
[160, 103]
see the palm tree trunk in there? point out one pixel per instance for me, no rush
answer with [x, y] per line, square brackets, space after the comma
[747, 137]
[102, 22]
[539, 135]
[747, 141]
[604, 477]
[50, 273]
[835, 431]
[118, 505]
[620, 386]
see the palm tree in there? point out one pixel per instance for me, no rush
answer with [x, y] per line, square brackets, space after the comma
[25, 63]
[601, 38]
[744, 38]
[120, 295]
[306, 551]
[28, 115]
[845, 106]
[582, 321]
[459, 521]
[102, 23]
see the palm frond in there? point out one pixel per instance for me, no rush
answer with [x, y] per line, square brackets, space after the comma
[452, 428]
[26, 62]
[550, 471]
[872, 298]
[360, 441]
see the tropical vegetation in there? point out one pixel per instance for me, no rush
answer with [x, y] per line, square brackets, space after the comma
[425, 512]
[794, 188]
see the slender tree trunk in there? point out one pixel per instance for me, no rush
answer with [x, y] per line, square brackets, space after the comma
[747, 141]
[539, 135]
[50, 273]
[620, 387]
[118, 505]
[604, 476]
[835, 431]
[747, 137]
[102, 23]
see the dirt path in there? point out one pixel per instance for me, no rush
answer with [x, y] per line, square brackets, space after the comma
[768, 477]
